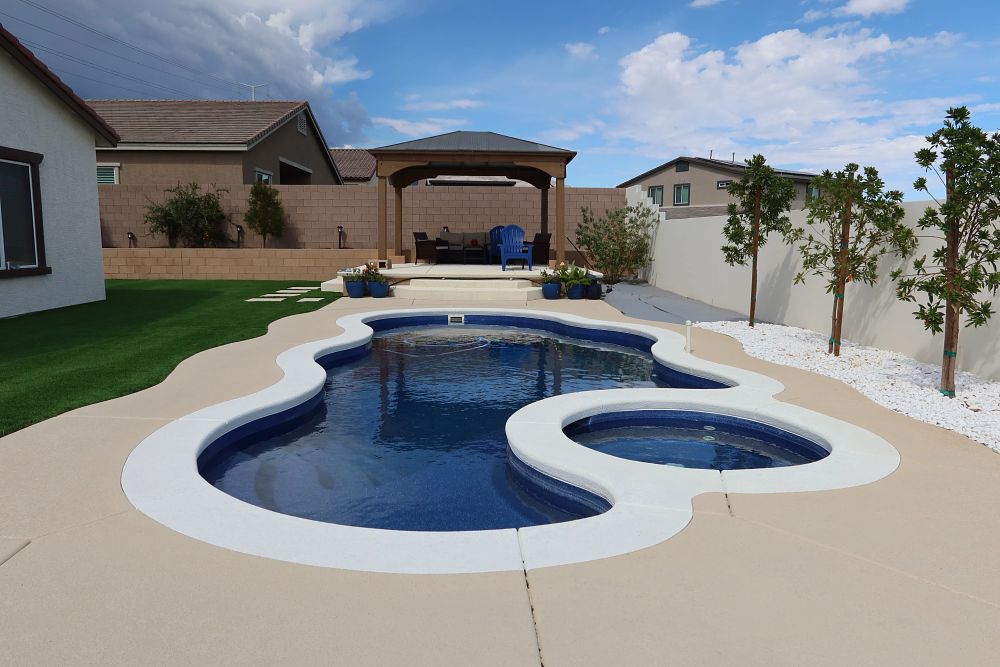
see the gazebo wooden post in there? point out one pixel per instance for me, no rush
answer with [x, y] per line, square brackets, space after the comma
[545, 210]
[383, 250]
[398, 212]
[560, 219]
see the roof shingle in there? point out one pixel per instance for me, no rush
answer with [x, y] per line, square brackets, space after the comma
[464, 141]
[354, 164]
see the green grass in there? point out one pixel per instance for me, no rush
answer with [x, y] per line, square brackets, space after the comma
[58, 360]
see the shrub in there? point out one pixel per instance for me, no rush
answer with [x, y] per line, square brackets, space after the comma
[194, 218]
[619, 243]
[265, 214]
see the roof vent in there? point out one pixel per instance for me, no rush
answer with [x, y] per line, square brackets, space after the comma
[302, 126]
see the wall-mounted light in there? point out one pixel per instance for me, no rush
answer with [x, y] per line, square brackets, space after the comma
[240, 236]
[445, 229]
[133, 242]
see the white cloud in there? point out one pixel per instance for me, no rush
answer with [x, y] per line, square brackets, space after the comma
[801, 98]
[603, 30]
[417, 103]
[419, 128]
[868, 8]
[581, 50]
[574, 131]
[698, 4]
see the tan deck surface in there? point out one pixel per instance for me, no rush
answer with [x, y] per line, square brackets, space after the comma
[904, 571]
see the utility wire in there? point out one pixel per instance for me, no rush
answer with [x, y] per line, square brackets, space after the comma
[64, 73]
[105, 51]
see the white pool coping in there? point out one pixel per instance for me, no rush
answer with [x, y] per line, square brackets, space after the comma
[650, 503]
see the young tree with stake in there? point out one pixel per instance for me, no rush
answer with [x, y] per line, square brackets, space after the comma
[265, 214]
[762, 200]
[852, 224]
[964, 268]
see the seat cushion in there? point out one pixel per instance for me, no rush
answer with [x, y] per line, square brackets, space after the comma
[476, 239]
[454, 239]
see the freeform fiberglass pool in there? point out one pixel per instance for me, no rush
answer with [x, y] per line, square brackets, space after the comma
[410, 436]
[435, 441]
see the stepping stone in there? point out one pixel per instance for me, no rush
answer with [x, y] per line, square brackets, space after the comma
[277, 294]
[303, 289]
[262, 298]
[312, 298]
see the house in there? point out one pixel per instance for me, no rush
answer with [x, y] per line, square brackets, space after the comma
[50, 233]
[690, 187]
[222, 142]
[356, 166]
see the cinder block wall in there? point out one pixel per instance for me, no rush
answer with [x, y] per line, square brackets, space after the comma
[231, 263]
[315, 211]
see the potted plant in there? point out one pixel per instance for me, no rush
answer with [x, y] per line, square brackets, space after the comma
[378, 286]
[576, 279]
[551, 284]
[354, 283]
[594, 288]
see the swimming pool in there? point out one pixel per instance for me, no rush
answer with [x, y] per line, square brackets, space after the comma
[410, 435]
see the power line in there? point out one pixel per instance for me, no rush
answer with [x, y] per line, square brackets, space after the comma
[110, 53]
[62, 72]
[151, 54]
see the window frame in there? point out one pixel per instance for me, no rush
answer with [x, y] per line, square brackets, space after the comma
[257, 173]
[723, 185]
[677, 187]
[658, 189]
[31, 161]
[116, 167]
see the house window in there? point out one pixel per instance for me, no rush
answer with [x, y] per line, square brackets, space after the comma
[813, 191]
[722, 185]
[682, 194]
[107, 174]
[261, 176]
[655, 192]
[682, 166]
[303, 127]
[21, 245]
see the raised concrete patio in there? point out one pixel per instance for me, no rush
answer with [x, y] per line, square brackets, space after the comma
[901, 571]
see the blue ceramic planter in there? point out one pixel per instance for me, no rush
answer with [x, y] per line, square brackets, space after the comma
[551, 290]
[379, 290]
[577, 291]
[355, 288]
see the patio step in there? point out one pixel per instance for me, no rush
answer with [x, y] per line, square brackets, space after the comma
[478, 291]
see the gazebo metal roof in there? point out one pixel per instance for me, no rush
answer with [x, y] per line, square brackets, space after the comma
[473, 142]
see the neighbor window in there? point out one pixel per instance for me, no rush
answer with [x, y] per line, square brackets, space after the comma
[262, 176]
[682, 194]
[21, 244]
[655, 193]
[813, 191]
[722, 185]
[107, 174]
[682, 166]
[302, 126]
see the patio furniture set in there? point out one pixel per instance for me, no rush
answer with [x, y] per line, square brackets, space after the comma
[500, 244]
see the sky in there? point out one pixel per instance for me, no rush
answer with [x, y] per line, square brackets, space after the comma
[811, 84]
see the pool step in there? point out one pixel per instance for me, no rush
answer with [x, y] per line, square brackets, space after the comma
[479, 291]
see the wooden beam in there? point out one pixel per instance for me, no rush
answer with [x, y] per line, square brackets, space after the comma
[383, 249]
[560, 220]
[398, 212]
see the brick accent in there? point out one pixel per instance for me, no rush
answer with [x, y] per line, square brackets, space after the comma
[315, 211]
[231, 263]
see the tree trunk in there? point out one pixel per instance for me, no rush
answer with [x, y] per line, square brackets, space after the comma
[841, 285]
[753, 264]
[951, 313]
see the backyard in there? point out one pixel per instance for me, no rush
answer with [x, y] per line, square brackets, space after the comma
[62, 359]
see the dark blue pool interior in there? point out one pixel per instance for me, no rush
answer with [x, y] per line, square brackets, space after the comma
[408, 432]
[690, 439]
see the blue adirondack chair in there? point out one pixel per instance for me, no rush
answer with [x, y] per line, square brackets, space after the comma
[512, 246]
[494, 247]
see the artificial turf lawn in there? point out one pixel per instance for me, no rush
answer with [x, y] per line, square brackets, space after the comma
[58, 360]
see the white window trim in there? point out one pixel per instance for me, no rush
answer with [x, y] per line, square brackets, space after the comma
[117, 169]
[265, 172]
[34, 228]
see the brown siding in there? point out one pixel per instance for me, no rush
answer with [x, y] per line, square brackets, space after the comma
[314, 212]
[288, 143]
[144, 167]
[704, 186]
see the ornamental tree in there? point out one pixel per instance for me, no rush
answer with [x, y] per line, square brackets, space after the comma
[852, 223]
[762, 200]
[961, 272]
[265, 214]
[191, 216]
[619, 242]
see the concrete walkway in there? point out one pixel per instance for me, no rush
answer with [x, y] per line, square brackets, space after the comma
[646, 302]
[899, 572]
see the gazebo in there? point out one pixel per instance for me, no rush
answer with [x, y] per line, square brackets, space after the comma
[470, 154]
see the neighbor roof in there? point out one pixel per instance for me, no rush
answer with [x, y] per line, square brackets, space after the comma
[474, 142]
[725, 165]
[354, 164]
[21, 54]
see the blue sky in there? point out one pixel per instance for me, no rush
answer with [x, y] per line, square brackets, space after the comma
[810, 83]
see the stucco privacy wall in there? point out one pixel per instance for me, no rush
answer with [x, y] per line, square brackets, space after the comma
[33, 119]
[688, 261]
[315, 211]
[231, 263]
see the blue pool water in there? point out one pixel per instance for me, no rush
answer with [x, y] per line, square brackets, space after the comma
[410, 435]
[693, 440]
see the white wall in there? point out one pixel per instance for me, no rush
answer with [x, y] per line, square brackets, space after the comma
[688, 260]
[33, 119]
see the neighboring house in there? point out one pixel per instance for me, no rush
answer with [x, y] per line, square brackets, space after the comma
[50, 232]
[689, 187]
[225, 142]
[356, 166]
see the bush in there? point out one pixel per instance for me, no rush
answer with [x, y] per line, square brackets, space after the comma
[265, 214]
[190, 216]
[619, 243]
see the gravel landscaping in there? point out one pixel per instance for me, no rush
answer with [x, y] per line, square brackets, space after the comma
[888, 378]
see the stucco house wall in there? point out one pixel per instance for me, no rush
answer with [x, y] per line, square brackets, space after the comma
[141, 167]
[287, 142]
[33, 119]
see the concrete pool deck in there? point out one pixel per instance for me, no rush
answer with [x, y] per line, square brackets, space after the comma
[901, 571]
